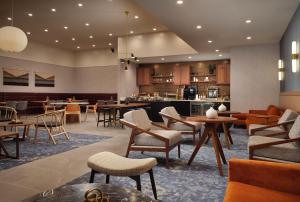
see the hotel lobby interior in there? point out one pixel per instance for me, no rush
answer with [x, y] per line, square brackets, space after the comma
[150, 100]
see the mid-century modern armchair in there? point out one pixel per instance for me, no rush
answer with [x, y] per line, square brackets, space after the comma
[283, 125]
[277, 149]
[143, 138]
[174, 121]
[53, 122]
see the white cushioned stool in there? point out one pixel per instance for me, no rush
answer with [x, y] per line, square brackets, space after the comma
[112, 164]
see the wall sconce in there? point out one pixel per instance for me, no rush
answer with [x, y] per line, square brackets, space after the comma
[280, 70]
[295, 56]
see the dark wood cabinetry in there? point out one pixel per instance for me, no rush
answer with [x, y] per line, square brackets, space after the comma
[143, 76]
[223, 74]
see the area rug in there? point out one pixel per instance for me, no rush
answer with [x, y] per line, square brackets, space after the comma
[198, 182]
[30, 152]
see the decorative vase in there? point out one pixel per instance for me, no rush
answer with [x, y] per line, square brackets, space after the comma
[211, 113]
[222, 108]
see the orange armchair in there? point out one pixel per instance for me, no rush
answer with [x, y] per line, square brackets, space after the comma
[260, 181]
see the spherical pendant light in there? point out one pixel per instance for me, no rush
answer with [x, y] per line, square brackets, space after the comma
[12, 39]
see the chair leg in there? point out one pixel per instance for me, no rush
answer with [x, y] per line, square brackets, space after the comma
[92, 176]
[35, 134]
[153, 183]
[137, 179]
[167, 158]
[178, 151]
[107, 179]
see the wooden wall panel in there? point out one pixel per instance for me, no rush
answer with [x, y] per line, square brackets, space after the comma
[290, 100]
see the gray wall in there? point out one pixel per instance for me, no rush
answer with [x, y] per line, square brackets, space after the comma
[291, 81]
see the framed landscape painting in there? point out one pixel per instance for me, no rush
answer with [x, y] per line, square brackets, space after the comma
[15, 77]
[44, 79]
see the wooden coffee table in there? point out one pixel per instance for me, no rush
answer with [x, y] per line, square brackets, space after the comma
[210, 131]
[5, 134]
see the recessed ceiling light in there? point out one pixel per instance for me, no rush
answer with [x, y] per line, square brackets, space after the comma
[190, 57]
[209, 41]
[87, 24]
[28, 33]
[220, 55]
[53, 9]
[154, 29]
[91, 36]
[131, 32]
[137, 60]
[198, 27]
[9, 18]
[110, 34]
[110, 44]
[56, 41]
[80, 4]
[162, 58]
[73, 39]
[136, 17]
[94, 45]
[179, 2]
[78, 47]
[30, 14]
[248, 37]
[65, 27]
[248, 21]
[46, 30]
[217, 50]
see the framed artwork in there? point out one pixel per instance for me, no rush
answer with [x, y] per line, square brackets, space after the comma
[15, 77]
[44, 79]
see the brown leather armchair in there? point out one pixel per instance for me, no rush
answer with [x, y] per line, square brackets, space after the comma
[254, 116]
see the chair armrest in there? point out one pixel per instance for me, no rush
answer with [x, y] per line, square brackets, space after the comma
[160, 126]
[268, 144]
[141, 130]
[277, 176]
[177, 120]
[256, 111]
[253, 131]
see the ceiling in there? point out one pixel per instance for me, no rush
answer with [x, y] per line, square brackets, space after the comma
[104, 17]
[223, 21]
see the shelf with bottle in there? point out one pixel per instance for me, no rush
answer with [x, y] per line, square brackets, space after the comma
[202, 75]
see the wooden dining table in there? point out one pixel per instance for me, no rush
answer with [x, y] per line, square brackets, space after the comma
[210, 131]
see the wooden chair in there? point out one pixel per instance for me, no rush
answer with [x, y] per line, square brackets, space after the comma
[105, 111]
[53, 122]
[277, 149]
[143, 138]
[174, 121]
[283, 125]
[7, 113]
[73, 109]
[48, 107]
[91, 109]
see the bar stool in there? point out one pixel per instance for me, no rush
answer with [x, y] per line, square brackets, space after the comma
[112, 164]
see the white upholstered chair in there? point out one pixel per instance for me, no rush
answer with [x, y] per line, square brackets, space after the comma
[143, 138]
[284, 125]
[174, 121]
[277, 149]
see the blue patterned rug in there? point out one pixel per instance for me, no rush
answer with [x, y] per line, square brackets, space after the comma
[199, 182]
[31, 152]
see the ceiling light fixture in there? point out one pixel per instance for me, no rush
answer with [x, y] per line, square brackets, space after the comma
[131, 32]
[217, 50]
[56, 41]
[110, 44]
[220, 55]
[53, 9]
[248, 37]
[46, 30]
[110, 34]
[248, 21]
[154, 29]
[162, 59]
[137, 60]
[9, 18]
[80, 4]
[198, 27]
[30, 14]
[209, 41]
[179, 2]
[94, 45]
[136, 17]
[73, 39]
[190, 57]
[12, 39]
[78, 47]
[65, 27]
[28, 33]
[91, 36]
[87, 24]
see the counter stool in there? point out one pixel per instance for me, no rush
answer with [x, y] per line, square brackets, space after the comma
[112, 164]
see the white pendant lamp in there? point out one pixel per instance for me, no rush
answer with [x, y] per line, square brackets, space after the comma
[12, 39]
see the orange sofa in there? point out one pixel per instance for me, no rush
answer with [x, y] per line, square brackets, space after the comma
[254, 116]
[261, 181]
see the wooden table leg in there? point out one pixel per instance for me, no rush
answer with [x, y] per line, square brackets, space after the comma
[226, 135]
[3, 148]
[17, 146]
[221, 151]
[217, 150]
[199, 144]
